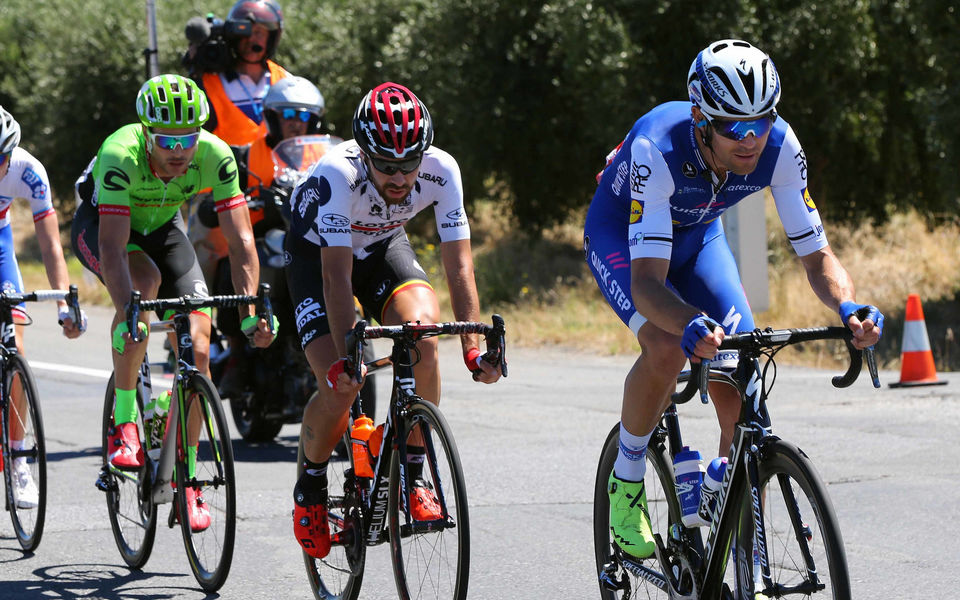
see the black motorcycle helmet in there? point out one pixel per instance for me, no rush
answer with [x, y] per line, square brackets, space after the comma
[262, 12]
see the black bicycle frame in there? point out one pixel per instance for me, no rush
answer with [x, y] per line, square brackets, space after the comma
[376, 497]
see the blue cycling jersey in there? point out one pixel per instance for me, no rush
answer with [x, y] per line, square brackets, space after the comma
[657, 198]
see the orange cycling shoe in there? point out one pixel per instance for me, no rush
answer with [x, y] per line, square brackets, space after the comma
[123, 447]
[310, 522]
[423, 502]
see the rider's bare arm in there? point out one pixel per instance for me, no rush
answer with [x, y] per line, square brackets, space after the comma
[654, 300]
[244, 264]
[338, 293]
[114, 266]
[832, 284]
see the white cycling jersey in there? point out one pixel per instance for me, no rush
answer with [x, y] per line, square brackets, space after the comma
[25, 178]
[337, 204]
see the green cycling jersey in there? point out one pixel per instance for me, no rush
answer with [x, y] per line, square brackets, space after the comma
[126, 185]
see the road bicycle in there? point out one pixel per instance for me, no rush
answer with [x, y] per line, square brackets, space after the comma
[431, 559]
[168, 475]
[774, 533]
[24, 448]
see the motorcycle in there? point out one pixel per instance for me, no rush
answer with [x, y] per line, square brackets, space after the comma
[273, 384]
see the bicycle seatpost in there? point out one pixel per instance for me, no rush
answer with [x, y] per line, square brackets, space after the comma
[133, 316]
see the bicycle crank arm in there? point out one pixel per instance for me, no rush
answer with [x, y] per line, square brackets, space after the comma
[672, 579]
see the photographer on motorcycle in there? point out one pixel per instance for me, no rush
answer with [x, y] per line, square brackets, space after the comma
[293, 107]
[231, 61]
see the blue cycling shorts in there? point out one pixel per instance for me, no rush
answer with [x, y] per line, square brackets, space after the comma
[702, 272]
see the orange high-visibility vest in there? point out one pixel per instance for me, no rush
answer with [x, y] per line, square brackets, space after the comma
[233, 126]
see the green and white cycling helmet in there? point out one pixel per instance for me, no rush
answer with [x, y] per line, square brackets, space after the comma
[172, 101]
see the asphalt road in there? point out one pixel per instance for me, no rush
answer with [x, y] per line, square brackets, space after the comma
[530, 445]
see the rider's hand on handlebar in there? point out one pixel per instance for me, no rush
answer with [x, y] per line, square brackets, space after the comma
[71, 329]
[343, 383]
[257, 331]
[482, 371]
[864, 320]
[701, 338]
[121, 335]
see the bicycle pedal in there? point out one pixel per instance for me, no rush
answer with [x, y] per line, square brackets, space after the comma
[105, 482]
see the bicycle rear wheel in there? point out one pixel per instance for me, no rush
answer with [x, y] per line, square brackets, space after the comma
[431, 559]
[338, 575]
[802, 536]
[620, 575]
[26, 465]
[209, 484]
[133, 515]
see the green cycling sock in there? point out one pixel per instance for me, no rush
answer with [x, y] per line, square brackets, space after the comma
[125, 410]
[191, 462]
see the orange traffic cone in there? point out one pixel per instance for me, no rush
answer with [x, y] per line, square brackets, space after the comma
[916, 359]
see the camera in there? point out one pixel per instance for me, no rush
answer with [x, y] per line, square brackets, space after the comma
[212, 37]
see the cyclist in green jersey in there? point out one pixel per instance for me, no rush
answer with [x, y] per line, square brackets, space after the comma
[129, 232]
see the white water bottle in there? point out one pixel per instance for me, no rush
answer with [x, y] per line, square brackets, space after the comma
[710, 490]
[688, 472]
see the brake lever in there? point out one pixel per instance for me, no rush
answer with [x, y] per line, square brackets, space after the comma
[869, 354]
[354, 342]
[703, 378]
[263, 299]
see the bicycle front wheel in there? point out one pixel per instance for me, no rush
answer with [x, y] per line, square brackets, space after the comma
[431, 558]
[24, 454]
[206, 488]
[802, 536]
[338, 575]
[621, 575]
[133, 515]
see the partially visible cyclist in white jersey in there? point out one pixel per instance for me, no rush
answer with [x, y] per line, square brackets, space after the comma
[655, 244]
[22, 176]
[347, 239]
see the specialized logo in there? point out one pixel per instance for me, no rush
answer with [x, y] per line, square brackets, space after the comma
[636, 211]
[689, 171]
[227, 169]
[732, 320]
[384, 287]
[115, 180]
[808, 200]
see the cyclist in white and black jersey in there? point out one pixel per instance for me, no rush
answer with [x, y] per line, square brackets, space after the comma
[347, 239]
[657, 250]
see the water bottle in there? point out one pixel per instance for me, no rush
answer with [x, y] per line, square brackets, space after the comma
[688, 472]
[360, 438]
[376, 439]
[155, 420]
[710, 490]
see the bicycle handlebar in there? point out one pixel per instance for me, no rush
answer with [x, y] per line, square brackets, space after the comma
[758, 339]
[494, 335]
[186, 304]
[70, 296]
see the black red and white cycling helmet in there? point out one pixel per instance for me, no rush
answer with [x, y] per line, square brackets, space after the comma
[391, 122]
[9, 132]
[732, 79]
[263, 12]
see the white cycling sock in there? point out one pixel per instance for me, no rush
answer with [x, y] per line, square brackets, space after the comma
[630, 464]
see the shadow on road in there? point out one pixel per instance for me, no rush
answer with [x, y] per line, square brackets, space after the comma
[92, 581]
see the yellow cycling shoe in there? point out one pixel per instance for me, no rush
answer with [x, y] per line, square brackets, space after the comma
[629, 520]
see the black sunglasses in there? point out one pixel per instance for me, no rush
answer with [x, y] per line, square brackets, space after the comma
[389, 167]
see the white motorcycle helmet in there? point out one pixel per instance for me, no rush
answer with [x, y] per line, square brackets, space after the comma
[293, 94]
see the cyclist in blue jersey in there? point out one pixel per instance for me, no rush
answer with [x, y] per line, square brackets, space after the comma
[655, 244]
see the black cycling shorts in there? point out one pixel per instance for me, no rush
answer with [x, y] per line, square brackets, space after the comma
[168, 247]
[391, 267]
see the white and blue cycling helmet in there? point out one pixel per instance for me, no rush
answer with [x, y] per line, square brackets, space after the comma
[732, 79]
